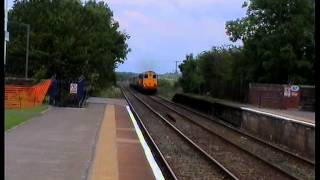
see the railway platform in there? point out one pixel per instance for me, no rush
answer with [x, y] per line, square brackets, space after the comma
[121, 152]
[296, 115]
[97, 142]
[302, 116]
[190, 136]
[56, 145]
[291, 129]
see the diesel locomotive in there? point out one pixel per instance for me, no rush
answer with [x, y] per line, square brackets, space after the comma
[145, 82]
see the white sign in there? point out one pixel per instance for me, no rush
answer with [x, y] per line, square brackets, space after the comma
[294, 88]
[6, 36]
[73, 88]
[287, 92]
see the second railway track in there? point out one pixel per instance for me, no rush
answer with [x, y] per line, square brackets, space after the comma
[244, 163]
[185, 158]
[297, 166]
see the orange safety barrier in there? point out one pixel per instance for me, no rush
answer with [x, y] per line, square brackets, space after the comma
[18, 96]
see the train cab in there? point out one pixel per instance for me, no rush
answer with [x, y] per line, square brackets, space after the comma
[149, 81]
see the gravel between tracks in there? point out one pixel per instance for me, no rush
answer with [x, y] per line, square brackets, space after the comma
[290, 164]
[239, 162]
[185, 162]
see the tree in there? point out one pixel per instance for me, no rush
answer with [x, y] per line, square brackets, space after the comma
[220, 72]
[278, 38]
[191, 80]
[68, 38]
[216, 68]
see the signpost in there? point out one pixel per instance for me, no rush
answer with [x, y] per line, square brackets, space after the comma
[7, 36]
[291, 91]
[294, 90]
[27, 51]
[177, 66]
[287, 92]
[27, 45]
[5, 30]
[73, 88]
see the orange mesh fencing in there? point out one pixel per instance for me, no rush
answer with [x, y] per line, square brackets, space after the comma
[18, 96]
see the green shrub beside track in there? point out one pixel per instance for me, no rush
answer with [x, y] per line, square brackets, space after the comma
[168, 87]
[111, 92]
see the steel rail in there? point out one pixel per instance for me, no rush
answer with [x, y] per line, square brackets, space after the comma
[164, 161]
[229, 142]
[257, 139]
[193, 144]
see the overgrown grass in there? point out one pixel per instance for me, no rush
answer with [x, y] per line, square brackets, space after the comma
[168, 87]
[13, 117]
[111, 92]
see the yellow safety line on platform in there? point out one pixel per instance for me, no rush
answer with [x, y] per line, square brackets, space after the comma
[106, 163]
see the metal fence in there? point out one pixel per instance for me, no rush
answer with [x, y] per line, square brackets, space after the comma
[68, 92]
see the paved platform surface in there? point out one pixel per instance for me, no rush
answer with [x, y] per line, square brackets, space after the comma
[304, 116]
[119, 154]
[57, 145]
[114, 101]
[96, 142]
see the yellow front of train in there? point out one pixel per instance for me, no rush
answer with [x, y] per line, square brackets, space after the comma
[149, 81]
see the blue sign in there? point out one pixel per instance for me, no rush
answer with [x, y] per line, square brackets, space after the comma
[294, 88]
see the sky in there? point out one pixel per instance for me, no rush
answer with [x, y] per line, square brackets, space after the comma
[164, 31]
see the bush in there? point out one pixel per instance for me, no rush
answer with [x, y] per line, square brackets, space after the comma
[110, 92]
[168, 87]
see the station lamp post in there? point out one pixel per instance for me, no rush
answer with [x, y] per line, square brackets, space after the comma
[27, 50]
[177, 66]
[27, 46]
[6, 34]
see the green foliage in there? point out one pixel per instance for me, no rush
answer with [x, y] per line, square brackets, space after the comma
[218, 71]
[68, 38]
[167, 87]
[216, 67]
[109, 92]
[40, 73]
[170, 76]
[123, 76]
[278, 38]
[192, 80]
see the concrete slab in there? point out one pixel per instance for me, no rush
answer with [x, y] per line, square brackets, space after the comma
[305, 116]
[56, 145]
[119, 153]
[132, 161]
[114, 101]
[298, 115]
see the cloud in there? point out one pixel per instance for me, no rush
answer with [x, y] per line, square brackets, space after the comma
[164, 31]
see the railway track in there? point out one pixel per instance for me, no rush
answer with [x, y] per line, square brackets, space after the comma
[184, 157]
[218, 122]
[234, 151]
[295, 165]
